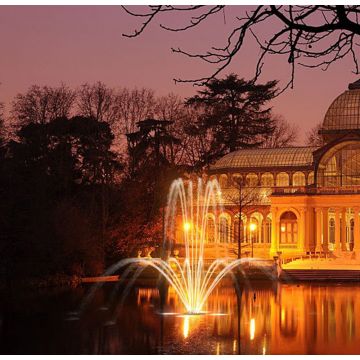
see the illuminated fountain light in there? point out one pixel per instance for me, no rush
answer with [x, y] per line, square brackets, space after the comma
[190, 278]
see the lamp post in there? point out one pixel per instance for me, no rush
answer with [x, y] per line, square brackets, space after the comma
[252, 229]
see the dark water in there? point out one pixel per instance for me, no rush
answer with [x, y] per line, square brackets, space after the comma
[264, 319]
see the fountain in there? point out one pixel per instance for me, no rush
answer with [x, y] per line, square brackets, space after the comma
[191, 278]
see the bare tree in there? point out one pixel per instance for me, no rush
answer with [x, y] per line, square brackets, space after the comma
[97, 101]
[135, 105]
[242, 196]
[310, 35]
[313, 138]
[285, 134]
[43, 104]
[2, 123]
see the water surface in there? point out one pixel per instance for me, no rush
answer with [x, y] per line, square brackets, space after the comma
[265, 318]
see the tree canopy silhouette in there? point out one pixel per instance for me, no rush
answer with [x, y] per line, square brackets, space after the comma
[234, 114]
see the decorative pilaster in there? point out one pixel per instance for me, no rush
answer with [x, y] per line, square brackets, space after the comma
[337, 230]
[343, 229]
[274, 232]
[356, 231]
[318, 247]
[325, 229]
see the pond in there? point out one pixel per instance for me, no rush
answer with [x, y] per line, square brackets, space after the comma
[263, 318]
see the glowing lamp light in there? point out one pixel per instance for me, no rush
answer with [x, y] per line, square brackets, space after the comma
[282, 228]
[187, 226]
[252, 227]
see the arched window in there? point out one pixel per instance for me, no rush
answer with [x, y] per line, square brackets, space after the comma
[288, 228]
[254, 229]
[242, 228]
[267, 179]
[252, 180]
[282, 179]
[310, 178]
[340, 166]
[210, 229]
[267, 229]
[298, 179]
[224, 229]
[237, 179]
[223, 181]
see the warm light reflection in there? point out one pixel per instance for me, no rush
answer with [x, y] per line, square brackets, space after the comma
[272, 324]
[252, 227]
[186, 324]
[252, 329]
[282, 228]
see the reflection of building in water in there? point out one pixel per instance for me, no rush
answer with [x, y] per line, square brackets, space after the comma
[296, 199]
[287, 319]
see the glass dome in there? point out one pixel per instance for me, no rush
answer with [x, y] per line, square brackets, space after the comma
[344, 112]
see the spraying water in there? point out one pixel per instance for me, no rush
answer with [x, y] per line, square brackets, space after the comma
[192, 278]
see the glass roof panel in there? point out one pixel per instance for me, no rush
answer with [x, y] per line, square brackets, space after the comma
[262, 158]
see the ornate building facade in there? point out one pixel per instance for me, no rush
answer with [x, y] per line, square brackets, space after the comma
[295, 200]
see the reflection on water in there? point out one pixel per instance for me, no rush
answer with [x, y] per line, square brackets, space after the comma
[264, 319]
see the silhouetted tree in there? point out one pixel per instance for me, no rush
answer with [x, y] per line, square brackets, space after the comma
[313, 138]
[284, 134]
[234, 114]
[40, 105]
[53, 185]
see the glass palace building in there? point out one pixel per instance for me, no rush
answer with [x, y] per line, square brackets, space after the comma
[295, 200]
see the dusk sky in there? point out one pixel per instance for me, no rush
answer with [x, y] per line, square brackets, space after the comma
[47, 45]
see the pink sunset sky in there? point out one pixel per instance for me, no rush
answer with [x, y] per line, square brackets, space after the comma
[47, 45]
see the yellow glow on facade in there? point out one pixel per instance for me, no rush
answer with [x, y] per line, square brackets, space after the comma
[187, 226]
[252, 227]
[282, 228]
[252, 329]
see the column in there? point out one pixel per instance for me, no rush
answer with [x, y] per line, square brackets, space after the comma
[318, 247]
[343, 229]
[337, 230]
[265, 237]
[356, 231]
[274, 232]
[325, 229]
[302, 232]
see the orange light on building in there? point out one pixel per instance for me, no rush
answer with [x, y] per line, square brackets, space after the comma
[252, 227]
[282, 228]
[187, 226]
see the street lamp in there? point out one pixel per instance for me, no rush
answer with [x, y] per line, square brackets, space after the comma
[252, 229]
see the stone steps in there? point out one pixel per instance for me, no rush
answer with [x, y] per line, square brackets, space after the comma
[319, 275]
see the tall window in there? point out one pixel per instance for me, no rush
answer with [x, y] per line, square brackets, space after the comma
[252, 180]
[288, 228]
[267, 180]
[299, 179]
[210, 230]
[332, 233]
[223, 181]
[282, 179]
[310, 178]
[340, 166]
[224, 230]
